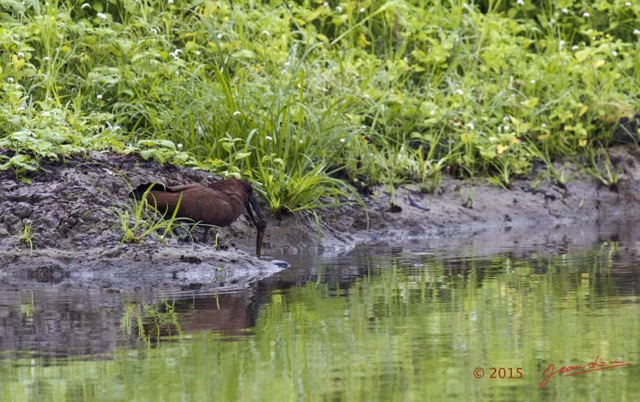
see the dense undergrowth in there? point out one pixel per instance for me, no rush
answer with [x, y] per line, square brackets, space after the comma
[295, 94]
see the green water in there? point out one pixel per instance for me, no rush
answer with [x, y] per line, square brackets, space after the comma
[395, 324]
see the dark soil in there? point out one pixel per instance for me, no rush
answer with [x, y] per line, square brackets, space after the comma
[76, 240]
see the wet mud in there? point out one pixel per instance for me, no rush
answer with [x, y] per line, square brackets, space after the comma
[62, 228]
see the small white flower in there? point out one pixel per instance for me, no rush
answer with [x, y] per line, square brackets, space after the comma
[339, 9]
[169, 1]
[471, 126]
[459, 92]
[197, 53]
[99, 97]
[533, 81]
[565, 11]
[636, 32]
[179, 146]
[432, 113]
[175, 54]
[628, 4]
[300, 141]
[45, 58]
[20, 54]
[586, 15]
[268, 138]
[505, 128]
[614, 53]
[219, 36]
[342, 140]
[266, 33]
[154, 31]
[520, 2]
[362, 10]
[236, 113]
[326, 4]
[575, 47]
[506, 118]
[543, 125]
[102, 16]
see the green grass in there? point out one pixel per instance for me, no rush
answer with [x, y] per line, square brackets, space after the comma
[288, 94]
[139, 220]
[26, 237]
[599, 166]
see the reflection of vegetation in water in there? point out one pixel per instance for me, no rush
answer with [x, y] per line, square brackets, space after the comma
[152, 322]
[412, 328]
[28, 309]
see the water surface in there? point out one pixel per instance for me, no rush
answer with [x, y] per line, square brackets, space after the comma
[408, 322]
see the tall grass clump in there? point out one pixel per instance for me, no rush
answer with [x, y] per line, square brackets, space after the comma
[138, 220]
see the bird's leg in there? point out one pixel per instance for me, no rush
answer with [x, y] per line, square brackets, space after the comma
[181, 238]
[206, 232]
[261, 226]
[175, 232]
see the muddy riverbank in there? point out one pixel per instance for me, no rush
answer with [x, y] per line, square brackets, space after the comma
[74, 238]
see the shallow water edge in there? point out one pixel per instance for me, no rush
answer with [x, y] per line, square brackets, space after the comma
[76, 244]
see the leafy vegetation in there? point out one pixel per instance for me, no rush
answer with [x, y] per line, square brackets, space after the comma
[289, 93]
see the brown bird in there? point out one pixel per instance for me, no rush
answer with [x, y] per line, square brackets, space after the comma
[219, 203]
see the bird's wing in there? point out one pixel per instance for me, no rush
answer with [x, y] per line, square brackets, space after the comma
[217, 209]
[200, 203]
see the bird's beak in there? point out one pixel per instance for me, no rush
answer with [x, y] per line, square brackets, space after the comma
[255, 206]
[260, 223]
